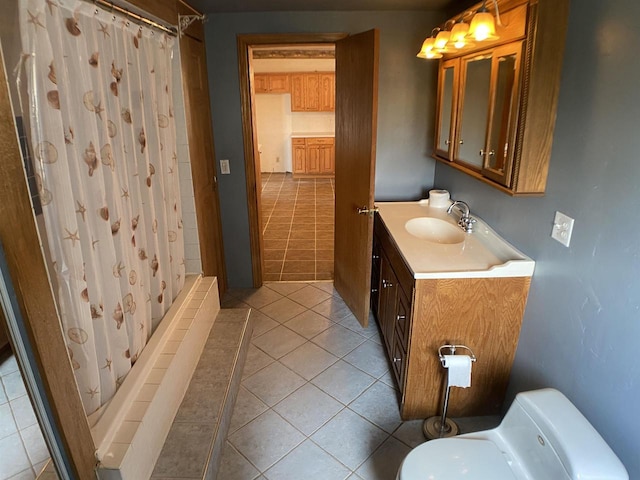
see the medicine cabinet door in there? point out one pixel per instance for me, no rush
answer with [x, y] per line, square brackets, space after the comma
[503, 116]
[447, 104]
[474, 110]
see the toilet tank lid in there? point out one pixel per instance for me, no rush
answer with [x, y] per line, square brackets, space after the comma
[583, 452]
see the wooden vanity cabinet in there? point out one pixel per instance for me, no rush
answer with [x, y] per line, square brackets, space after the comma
[497, 100]
[416, 316]
[313, 156]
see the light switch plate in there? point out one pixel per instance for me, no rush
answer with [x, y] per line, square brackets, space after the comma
[224, 167]
[562, 228]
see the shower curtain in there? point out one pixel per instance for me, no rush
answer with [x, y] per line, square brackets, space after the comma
[104, 147]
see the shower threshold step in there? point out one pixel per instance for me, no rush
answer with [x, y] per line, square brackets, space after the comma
[193, 448]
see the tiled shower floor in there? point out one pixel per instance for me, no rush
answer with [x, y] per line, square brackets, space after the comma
[297, 227]
[317, 399]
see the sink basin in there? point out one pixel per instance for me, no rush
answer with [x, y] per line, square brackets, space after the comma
[434, 230]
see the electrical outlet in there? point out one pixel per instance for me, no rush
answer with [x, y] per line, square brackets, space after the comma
[562, 228]
[277, 159]
[224, 167]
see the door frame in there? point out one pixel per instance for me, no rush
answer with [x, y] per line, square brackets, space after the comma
[245, 42]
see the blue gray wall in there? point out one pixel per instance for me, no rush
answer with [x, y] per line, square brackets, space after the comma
[405, 108]
[582, 325]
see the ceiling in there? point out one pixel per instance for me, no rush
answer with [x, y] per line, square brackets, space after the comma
[217, 6]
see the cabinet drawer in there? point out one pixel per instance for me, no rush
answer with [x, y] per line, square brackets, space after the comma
[320, 141]
[297, 141]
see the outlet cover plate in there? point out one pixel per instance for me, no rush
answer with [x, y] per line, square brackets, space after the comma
[224, 167]
[562, 228]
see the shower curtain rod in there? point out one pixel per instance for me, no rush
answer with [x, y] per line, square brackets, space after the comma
[110, 6]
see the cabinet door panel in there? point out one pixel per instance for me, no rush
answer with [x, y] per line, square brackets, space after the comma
[327, 159]
[505, 75]
[327, 92]
[474, 111]
[297, 93]
[299, 159]
[447, 104]
[278, 83]
[312, 88]
[313, 159]
[260, 83]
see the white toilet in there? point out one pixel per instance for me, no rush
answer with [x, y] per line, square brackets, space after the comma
[542, 436]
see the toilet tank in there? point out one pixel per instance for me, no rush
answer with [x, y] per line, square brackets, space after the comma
[552, 439]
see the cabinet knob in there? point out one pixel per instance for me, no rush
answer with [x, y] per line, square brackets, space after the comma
[447, 142]
[376, 257]
[482, 152]
[401, 317]
[396, 360]
[374, 290]
[461, 142]
[386, 284]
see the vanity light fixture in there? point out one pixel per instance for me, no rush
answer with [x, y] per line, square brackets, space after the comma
[462, 35]
[427, 51]
[483, 25]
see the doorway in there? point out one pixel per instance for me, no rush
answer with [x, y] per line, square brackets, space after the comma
[260, 223]
[293, 90]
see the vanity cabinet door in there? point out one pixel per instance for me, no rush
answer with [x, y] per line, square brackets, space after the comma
[447, 106]
[388, 302]
[503, 114]
[474, 111]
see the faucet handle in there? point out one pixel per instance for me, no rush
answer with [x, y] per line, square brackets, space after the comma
[466, 223]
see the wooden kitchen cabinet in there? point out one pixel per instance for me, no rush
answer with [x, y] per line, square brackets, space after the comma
[313, 92]
[416, 316]
[497, 100]
[313, 156]
[271, 83]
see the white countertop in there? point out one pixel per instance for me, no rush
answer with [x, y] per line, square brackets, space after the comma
[312, 134]
[482, 254]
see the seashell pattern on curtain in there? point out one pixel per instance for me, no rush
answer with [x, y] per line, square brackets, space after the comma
[103, 137]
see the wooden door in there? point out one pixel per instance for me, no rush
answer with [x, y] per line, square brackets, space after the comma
[203, 167]
[297, 93]
[356, 128]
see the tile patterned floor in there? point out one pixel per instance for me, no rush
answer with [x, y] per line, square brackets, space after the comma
[317, 399]
[298, 226]
[23, 451]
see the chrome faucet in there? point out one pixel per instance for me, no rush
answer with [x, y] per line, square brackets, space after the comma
[466, 220]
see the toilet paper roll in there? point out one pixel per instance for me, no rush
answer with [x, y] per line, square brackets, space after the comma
[439, 198]
[459, 367]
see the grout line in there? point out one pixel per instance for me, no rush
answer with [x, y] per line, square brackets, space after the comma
[286, 248]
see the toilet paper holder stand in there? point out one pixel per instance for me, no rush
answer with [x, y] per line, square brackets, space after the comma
[441, 426]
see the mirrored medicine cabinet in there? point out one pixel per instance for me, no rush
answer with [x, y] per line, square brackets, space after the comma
[497, 100]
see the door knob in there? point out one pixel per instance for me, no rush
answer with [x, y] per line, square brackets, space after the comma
[365, 210]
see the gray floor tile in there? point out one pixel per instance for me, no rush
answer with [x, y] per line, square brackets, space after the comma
[307, 460]
[410, 433]
[308, 408]
[13, 385]
[3, 396]
[309, 296]
[259, 298]
[247, 407]
[327, 287]
[256, 360]
[354, 476]
[283, 310]
[234, 466]
[33, 440]
[338, 340]
[389, 379]
[343, 381]
[333, 308]
[7, 423]
[261, 323]
[379, 405]
[27, 474]
[8, 366]
[369, 357]
[266, 439]
[273, 383]
[308, 360]
[352, 323]
[349, 438]
[23, 412]
[278, 342]
[385, 462]
[309, 324]
[185, 451]
[13, 457]
[286, 288]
